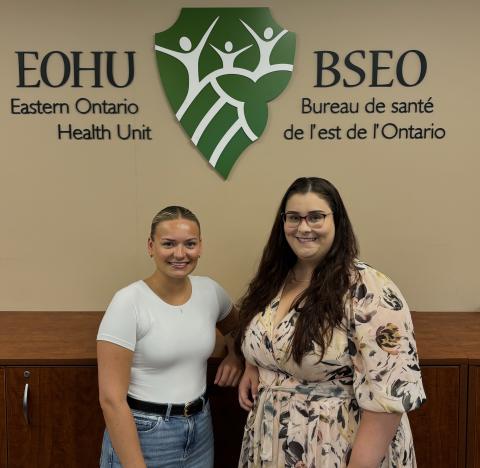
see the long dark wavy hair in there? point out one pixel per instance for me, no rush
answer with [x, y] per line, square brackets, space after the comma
[321, 306]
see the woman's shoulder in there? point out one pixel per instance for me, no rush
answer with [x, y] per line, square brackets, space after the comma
[371, 282]
[203, 281]
[367, 273]
[211, 288]
[131, 291]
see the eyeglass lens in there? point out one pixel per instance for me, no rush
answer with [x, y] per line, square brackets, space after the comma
[314, 218]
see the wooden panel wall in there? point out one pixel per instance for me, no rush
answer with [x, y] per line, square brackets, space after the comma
[473, 454]
[3, 421]
[65, 421]
[228, 420]
[437, 430]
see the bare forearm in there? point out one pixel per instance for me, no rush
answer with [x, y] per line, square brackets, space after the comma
[123, 434]
[230, 343]
[374, 435]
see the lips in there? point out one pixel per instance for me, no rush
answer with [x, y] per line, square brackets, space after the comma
[305, 240]
[178, 265]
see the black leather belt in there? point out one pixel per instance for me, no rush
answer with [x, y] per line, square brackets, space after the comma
[187, 409]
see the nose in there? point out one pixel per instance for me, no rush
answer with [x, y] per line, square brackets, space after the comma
[179, 251]
[303, 225]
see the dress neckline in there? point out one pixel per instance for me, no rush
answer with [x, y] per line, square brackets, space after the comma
[273, 306]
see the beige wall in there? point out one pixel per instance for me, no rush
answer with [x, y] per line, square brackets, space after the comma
[75, 215]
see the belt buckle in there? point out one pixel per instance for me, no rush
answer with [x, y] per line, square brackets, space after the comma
[185, 409]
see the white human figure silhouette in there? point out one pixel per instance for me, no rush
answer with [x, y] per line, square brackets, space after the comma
[190, 59]
[228, 57]
[265, 46]
[264, 67]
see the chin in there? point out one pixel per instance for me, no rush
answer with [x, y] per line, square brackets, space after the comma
[307, 252]
[179, 273]
[313, 257]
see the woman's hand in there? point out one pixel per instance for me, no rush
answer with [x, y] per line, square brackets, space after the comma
[248, 387]
[229, 371]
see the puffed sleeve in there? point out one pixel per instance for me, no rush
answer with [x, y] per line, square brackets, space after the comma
[382, 346]
[119, 324]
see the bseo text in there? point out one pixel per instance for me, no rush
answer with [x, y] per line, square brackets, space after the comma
[358, 70]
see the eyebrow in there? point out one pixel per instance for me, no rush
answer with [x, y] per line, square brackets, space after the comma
[173, 240]
[308, 212]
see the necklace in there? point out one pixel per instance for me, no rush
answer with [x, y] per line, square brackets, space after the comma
[297, 280]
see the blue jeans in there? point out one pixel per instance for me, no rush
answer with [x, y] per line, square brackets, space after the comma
[173, 442]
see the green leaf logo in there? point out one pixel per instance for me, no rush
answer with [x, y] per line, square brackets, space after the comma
[219, 68]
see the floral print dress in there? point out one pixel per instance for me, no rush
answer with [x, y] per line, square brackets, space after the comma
[307, 416]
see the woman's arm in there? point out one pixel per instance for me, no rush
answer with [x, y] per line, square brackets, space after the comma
[384, 359]
[248, 387]
[230, 369]
[114, 365]
[374, 435]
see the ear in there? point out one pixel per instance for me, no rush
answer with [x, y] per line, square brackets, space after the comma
[200, 251]
[150, 246]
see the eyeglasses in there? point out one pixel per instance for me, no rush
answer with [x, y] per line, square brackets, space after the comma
[315, 219]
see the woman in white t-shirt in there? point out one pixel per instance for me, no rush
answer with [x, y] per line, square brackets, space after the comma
[153, 345]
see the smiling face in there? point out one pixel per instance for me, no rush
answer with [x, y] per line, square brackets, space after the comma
[310, 244]
[175, 247]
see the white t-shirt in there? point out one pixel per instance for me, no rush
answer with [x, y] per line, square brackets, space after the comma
[171, 344]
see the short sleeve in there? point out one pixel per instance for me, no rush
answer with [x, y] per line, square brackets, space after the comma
[224, 302]
[119, 324]
[382, 347]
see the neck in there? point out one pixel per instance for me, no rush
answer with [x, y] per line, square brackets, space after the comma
[165, 286]
[302, 272]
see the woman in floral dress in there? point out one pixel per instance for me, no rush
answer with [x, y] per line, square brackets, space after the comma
[330, 343]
